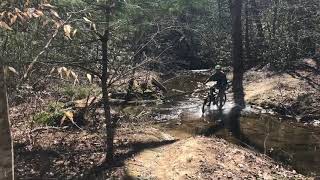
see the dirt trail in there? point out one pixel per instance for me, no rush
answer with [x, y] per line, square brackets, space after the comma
[204, 158]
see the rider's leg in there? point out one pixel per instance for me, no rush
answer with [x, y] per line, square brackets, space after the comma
[210, 99]
[221, 95]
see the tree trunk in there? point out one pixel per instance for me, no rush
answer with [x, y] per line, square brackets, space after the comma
[237, 53]
[260, 36]
[220, 15]
[293, 36]
[105, 90]
[6, 146]
[247, 38]
[275, 18]
[257, 19]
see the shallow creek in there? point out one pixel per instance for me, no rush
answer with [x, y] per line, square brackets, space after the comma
[285, 141]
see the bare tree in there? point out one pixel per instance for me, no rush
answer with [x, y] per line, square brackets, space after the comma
[104, 80]
[255, 9]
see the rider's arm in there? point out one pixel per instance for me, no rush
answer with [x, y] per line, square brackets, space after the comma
[207, 80]
[212, 78]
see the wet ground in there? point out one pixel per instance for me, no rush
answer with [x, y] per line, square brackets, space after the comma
[287, 142]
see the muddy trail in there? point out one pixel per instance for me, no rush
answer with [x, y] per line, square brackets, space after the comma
[259, 130]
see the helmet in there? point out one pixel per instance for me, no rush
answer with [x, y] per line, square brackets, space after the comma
[217, 67]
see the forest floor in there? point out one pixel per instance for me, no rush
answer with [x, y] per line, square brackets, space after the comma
[145, 152]
[295, 93]
[142, 152]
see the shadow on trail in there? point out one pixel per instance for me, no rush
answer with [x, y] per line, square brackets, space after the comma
[138, 147]
[99, 172]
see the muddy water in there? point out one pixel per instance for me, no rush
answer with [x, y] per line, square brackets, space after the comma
[290, 143]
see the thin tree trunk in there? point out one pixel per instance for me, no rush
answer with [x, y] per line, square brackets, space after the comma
[260, 36]
[220, 14]
[257, 20]
[105, 90]
[293, 36]
[247, 38]
[275, 18]
[6, 146]
[237, 53]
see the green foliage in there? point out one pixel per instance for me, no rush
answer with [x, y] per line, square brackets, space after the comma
[290, 30]
[51, 116]
[46, 118]
[55, 106]
[79, 91]
[183, 33]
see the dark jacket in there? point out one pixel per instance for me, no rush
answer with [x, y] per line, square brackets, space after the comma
[221, 79]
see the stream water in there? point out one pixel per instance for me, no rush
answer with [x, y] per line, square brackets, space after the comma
[287, 142]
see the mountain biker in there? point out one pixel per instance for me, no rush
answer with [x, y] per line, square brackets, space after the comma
[220, 77]
[222, 84]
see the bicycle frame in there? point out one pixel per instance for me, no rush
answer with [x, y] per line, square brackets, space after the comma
[214, 93]
[212, 98]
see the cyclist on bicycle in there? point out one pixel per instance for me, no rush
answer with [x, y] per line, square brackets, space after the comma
[221, 79]
[222, 83]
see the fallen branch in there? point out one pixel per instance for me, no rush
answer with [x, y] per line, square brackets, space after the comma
[159, 85]
[185, 93]
[137, 102]
[48, 128]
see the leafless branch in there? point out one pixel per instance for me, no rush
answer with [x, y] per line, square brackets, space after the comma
[45, 48]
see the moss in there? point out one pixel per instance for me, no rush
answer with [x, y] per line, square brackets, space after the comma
[78, 92]
[55, 106]
[51, 116]
[47, 118]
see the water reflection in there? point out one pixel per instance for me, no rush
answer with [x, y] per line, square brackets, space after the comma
[229, 121]
[285, 142]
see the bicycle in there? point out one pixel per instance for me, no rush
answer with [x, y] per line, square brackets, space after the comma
[217, 98]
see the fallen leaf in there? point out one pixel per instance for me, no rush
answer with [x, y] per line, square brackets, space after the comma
[87, 20]
[5, 26]
[69, 115]
[67, 30]
[89, 76]
[55, 14]
[47, 6]
[52, 70]
[13, 19]
[13, 70]
[74, 32]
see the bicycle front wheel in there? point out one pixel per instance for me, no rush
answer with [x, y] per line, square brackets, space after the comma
[204, 104]
[221, 100]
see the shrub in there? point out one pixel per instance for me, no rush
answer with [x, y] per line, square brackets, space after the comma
[51, 116]
[78, 92]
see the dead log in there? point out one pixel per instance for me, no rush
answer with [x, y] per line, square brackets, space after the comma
[135, 102]
[159, 85]
[186, 93]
